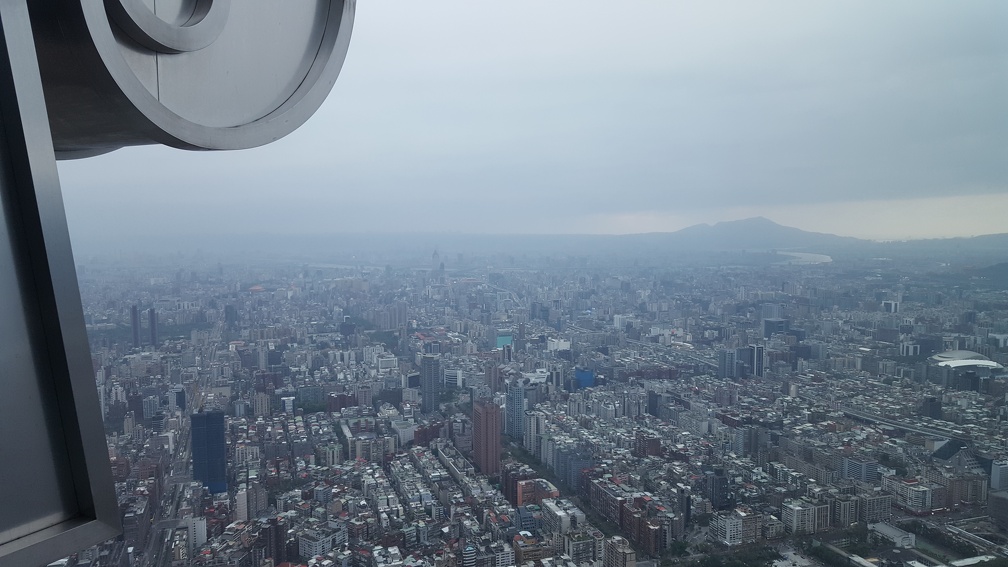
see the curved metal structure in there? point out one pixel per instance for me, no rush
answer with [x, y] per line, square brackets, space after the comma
[84, 77]
[193, 74]
[142, 24]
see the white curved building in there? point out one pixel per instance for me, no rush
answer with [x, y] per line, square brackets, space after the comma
[962, 359]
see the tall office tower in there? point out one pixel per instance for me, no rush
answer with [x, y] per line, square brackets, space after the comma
[515, 417]
[486, 417]
[157, 422]
[276, 540]
[258, 499]
[756, 353]
[932, 407]
[129, 422]
[262, 354]
[151, 405]
[685, 503]
[241, 504]
[999, 475]
[364, 396]
[231, 316]
[556, 377]
[533, 426]
[135, 324]
[492, 375]
[716, 484]
[654, 400]
[177, 397]
[726, 363]
[152, 324]
[430, 383]
[209, 450]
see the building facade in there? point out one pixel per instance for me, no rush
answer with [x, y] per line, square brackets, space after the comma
[486, 419]
[430, 383]
[209, 450]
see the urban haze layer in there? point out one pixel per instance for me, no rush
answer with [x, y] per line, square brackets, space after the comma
[737, 394]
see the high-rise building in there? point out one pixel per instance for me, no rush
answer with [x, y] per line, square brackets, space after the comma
[998, 506]
[771, 311]
[129, 422]
[534, 425]
[430, 383]
[209, 450]
[364, 396]
[469, 556]
[775, 326]
[152, 326]
[726, 363]
[486, 417]
[999, 475]
[151, 405]
[756, 354]
[515, 407]
[276, 540]
[619, 553]
[157, 422]
[860, 468]
[231, 316]
[493, 377]
[135, 325]
[258, 499]
[932, 407]
[685, 503]
[241, 504]
[261, 403]
[556, 377]
[197, 531]
[716, 484]
[178, 395]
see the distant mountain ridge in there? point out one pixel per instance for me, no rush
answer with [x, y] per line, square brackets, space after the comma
[741, 242]
[757, 233]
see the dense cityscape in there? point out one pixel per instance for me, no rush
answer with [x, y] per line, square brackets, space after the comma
[473, 411]
[503, 284]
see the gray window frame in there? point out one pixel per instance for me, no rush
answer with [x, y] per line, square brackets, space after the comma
[48, 294]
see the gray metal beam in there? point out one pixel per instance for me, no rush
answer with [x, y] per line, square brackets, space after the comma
[56, 491]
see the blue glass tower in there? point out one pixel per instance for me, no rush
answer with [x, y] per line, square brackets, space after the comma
[209, 450]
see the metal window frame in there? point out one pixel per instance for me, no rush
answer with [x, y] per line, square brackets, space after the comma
[51, 299]
[96, 105]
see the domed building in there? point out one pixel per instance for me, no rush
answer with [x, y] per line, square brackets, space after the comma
[963, 370]
[963, 358]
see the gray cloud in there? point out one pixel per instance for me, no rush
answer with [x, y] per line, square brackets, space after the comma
[549, 116]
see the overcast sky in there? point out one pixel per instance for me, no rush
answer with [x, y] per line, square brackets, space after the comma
[870, 119]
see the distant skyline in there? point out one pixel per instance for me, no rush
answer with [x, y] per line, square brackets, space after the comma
[879, 121]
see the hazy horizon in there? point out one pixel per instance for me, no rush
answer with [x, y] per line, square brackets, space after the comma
[308, 234]
[883, 122]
